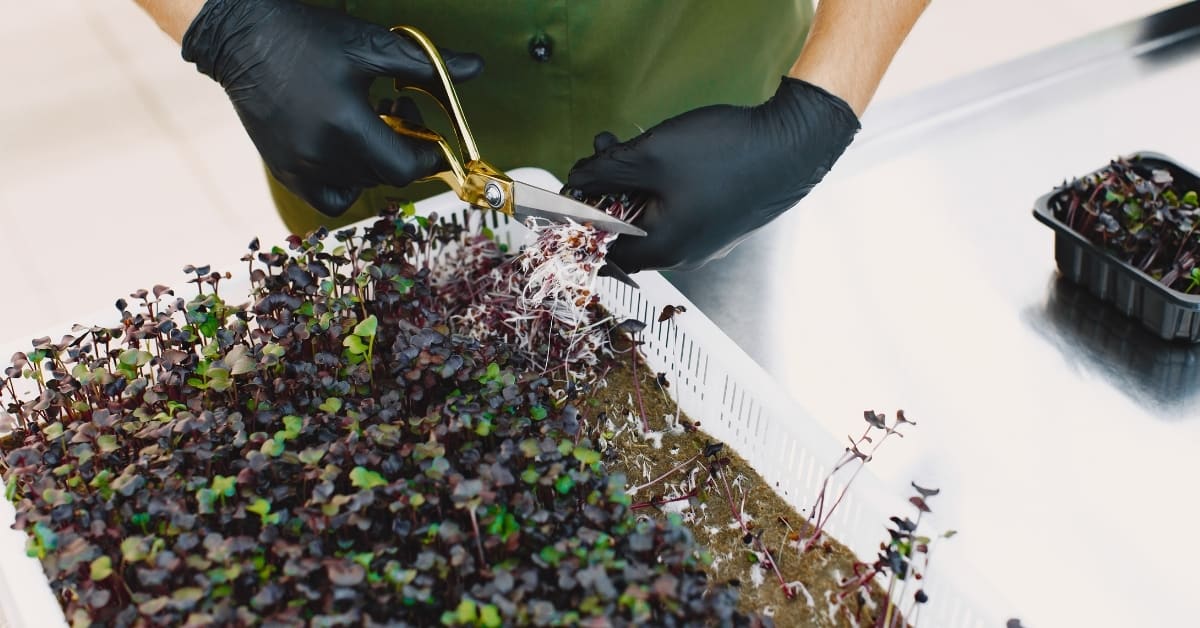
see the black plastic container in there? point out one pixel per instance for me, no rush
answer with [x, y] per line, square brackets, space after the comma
[1169, 313]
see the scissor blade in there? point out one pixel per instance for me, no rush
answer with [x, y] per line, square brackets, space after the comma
[534, 201]
[612, 270]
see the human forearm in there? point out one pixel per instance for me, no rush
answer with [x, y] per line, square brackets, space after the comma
[851, 43]
[173, 16]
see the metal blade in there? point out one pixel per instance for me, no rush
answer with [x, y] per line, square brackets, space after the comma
[534, 201]
[612, 270]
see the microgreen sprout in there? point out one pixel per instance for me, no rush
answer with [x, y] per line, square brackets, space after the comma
[876, 434]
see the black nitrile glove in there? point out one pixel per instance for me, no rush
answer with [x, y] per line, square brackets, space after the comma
[715, 174]
[298, 77]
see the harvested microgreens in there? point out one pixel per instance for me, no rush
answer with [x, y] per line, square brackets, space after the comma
[1143, 214]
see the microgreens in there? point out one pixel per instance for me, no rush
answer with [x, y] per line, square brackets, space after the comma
[1144, 212]
[374, 438]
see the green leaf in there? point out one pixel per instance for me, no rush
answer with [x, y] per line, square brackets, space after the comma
[396, 573]
[259, 506]
[1113, 197]
[53, 431]
[504, 524]
[1191, 199]
[188, 594]
[530, 476]
[224, 485]
[57, 497]
[333, 404]
[366, 329]
[272, 448]
[466, 613]
[101, 568]
[537, 413]
[134, 357]
[364, 478]
[402, 284]
[354, 345]
[102, 479]
[242, 365]
[293, 424]
[493, 373]
[530, 448]
[489, 616]
[586, 456]
[551, 555]
[564, 484]
[312, 455]
[134, 549]
[107, 443]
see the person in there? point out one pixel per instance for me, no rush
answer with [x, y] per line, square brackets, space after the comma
[727, 144]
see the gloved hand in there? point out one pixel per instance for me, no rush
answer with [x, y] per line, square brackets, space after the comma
[715, 174]
[298, 77]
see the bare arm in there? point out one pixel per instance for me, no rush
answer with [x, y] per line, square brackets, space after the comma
[173, 16]
[852, 42]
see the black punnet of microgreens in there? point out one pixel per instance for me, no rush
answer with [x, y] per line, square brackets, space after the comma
[1143, 211]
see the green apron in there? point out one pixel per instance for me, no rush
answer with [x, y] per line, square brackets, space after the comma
[558, 72]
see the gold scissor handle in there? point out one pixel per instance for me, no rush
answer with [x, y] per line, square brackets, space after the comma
[475, 181]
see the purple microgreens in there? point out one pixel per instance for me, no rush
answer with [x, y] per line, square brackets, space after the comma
[1142, 212]
[295, 456]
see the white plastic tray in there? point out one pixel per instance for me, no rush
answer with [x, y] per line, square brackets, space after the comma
[715, 383]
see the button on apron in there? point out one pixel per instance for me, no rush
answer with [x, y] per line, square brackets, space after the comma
[541, 47]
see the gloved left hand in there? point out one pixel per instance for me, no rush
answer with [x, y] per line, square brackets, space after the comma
[714, 175]
[298, 77]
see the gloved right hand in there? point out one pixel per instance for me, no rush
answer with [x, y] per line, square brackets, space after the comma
[298, 77]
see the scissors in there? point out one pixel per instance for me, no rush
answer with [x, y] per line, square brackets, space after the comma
[481, 184]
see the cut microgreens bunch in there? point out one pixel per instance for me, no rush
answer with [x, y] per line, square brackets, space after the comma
[544, 300]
